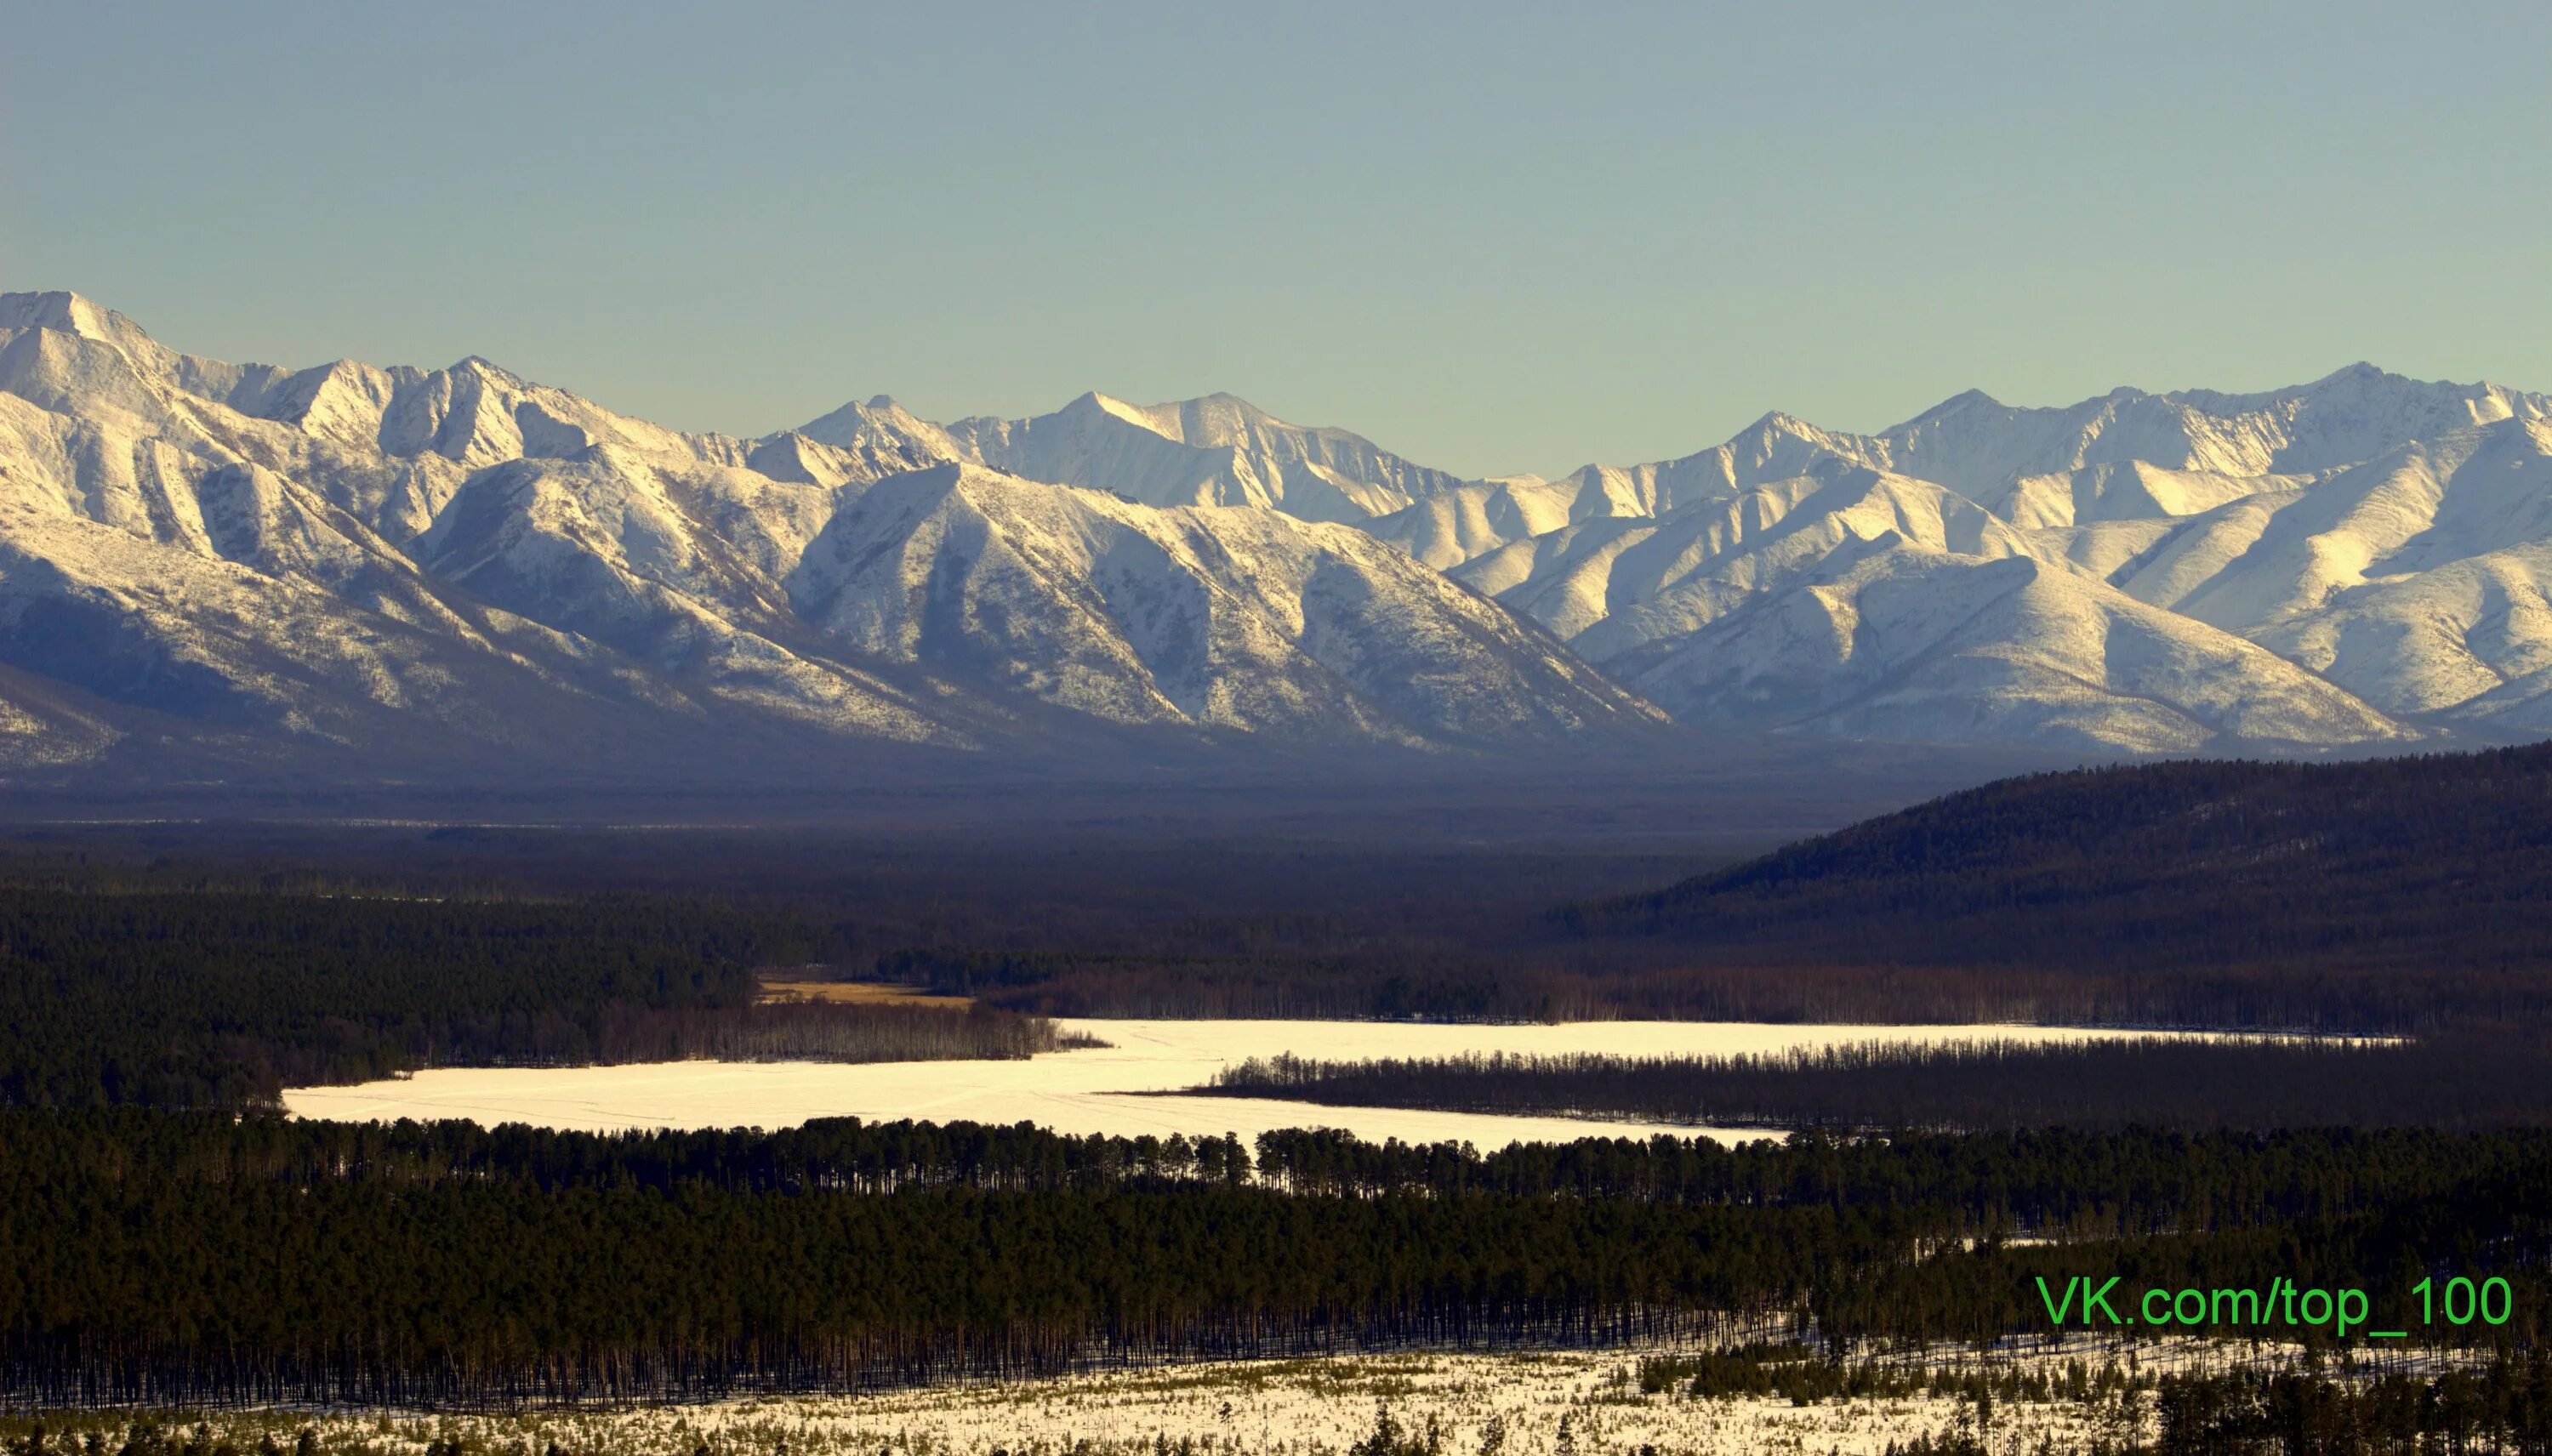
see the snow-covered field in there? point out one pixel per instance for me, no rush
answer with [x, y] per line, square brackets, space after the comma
[1101, 1090]
[1496, 1405]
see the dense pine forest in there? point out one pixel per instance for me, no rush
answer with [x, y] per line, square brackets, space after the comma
[1117, 922]
[175, 1258]
[2462, 1079]
[133, 989]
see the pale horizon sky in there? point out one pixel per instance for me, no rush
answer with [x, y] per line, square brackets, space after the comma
[1493, 238]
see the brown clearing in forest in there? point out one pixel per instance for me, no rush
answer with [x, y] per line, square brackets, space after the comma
[859, 994]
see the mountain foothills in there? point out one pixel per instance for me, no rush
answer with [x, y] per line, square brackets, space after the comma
[398, 572]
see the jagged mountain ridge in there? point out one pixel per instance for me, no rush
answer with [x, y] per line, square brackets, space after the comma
[2082, 487]
[2352, 562]
[403, 567]
[462, 556]
[1212, 450]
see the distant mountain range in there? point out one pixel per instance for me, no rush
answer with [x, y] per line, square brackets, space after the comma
[407, 573]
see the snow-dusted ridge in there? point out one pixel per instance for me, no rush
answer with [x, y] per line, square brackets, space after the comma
[411, 570]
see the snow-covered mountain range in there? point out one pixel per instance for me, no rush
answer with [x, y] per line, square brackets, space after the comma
[418, 571]
[454, 568]
[2354, 561]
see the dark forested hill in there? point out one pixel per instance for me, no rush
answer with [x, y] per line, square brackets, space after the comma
[2366, 892]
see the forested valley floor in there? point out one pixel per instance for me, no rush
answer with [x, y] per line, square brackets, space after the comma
[170, 1258]
[172, 1242]
[2384, 897]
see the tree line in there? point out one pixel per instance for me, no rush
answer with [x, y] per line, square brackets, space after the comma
[2052, 1181]
[2460, 1078]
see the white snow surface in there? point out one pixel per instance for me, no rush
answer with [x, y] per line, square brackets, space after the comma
[1102, 1090]
[1322, 1405]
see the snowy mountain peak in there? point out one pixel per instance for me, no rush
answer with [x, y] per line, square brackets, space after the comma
[60, 310]
[856, 444]
[1776, 422]
[1960, 403]
[478, 364]
[1209, 420]
[1093, 402]
[74, 316]
[1213, 450]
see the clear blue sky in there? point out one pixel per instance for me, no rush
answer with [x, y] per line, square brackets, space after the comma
[1494, 237]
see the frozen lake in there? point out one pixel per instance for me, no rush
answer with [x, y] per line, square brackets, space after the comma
[1086, 1092]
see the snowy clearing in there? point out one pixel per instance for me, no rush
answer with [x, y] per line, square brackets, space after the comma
[1096, 1091]
[1507, 1404]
